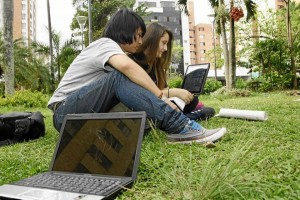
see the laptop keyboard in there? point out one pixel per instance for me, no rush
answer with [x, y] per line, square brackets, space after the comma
[68, 183]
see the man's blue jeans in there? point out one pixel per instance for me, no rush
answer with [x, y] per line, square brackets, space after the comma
[114, 87]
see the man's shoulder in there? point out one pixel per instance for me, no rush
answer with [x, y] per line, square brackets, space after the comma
[105, 43]
[105, 40]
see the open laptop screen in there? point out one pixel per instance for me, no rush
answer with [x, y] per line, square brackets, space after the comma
[99, 145]
[195, 77]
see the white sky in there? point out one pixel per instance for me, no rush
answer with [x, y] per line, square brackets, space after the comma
[201, 9]
[62, 13]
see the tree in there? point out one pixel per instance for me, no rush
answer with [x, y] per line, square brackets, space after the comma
[51, 48]
[291, 44]
[8, 15]
[221, 17]
[269, 52]
[176, 52]
[31, 74]
[210, 55]
[63, 54]
[29, 70]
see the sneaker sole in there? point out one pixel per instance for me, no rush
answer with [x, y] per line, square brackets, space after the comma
[211, 138]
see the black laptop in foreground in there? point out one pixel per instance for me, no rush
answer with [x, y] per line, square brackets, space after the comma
[96, 157]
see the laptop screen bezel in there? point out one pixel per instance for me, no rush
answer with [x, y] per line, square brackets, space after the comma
[201, 66]
[113, 115]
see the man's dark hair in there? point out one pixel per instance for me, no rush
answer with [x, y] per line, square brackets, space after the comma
[122, 26]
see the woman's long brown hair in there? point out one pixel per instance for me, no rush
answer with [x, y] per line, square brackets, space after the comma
[150, 47]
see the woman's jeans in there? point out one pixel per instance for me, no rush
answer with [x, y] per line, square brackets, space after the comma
[114, 87]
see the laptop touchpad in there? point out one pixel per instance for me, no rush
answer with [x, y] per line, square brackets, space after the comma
[37, 194]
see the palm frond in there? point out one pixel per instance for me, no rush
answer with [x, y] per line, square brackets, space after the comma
[251, 9]
[183, 6]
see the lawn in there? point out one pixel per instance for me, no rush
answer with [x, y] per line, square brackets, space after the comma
[254, 160]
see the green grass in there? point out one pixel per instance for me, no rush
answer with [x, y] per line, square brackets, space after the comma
[254, 160]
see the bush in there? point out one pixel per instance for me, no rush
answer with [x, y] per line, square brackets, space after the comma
[26, 98]
[270, 83]
[212, 85]
[175, 82]
[241, 83]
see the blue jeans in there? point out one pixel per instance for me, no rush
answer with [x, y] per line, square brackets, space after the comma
[114, 87]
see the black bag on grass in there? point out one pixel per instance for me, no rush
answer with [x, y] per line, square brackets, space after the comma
[21, 126]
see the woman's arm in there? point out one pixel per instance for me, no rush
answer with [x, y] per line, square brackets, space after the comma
[183, 94]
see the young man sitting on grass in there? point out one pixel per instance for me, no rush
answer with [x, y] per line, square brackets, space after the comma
[102, 75]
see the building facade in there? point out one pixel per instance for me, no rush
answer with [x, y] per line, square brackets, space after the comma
[24, 23]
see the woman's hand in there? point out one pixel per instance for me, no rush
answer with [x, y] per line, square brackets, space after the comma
[183, 94]
[171, 104]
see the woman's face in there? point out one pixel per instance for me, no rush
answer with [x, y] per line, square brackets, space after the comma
[163, 45]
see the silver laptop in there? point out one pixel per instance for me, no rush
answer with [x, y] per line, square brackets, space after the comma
[96, 157]
[195, 77]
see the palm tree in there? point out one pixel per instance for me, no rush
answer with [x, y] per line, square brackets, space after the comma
[8, 15]
[68, 53]
[30, 72]
[221, 17]
[63, 54]
[2, 57]
[51, 48]
[230, 54]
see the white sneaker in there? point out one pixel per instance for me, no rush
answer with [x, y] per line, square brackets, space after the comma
[202, 136]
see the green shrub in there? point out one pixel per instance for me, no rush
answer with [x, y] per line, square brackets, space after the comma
[26, 98]
[270, 83]
[241, 83]
[212, 85]
[175, 82]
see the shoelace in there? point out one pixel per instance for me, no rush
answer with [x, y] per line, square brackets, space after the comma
[191, 126]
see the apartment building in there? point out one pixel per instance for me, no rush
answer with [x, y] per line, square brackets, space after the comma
[24, 23]
[201, 38]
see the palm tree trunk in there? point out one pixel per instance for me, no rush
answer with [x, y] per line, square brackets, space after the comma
[90, 22]
[9, 75]
[290, 45]
[51, 49]
[224, 43]
[232, 55]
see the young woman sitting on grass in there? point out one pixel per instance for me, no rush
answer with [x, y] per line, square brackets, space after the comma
[154, 55]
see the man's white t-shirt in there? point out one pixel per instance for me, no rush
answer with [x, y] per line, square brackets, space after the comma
[88, 66]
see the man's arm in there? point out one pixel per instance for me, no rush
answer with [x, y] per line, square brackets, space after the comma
[134, 72]
[137, 74]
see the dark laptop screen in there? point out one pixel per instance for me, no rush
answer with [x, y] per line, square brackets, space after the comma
[98, 146]
[195, 78]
